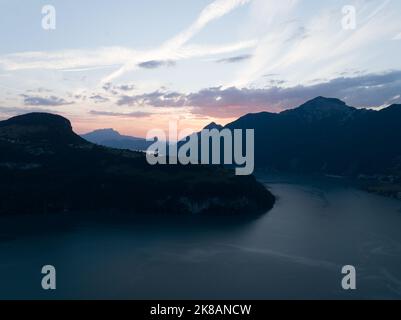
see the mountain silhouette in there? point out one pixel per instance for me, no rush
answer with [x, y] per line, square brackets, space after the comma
[45, 168]
[39, 128]
[327, 136]
[213, 125]
[113, 139]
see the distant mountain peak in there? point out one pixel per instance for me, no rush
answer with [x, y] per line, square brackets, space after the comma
[102, 134]
[112, 138]
[213, 125]
[321, 108]
[323, 102]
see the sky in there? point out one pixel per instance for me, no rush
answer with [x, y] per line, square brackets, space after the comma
[136, 65]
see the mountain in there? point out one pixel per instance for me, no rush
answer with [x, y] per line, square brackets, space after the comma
[113, 139]
[46, 168]
[327, 136]
[212, 126]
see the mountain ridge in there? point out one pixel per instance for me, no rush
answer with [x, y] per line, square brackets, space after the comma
[112, 138]
[46, 168]
[325, 135]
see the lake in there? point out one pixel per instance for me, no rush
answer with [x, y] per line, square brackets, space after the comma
[295, 251]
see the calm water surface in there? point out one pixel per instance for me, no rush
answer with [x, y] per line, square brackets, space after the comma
[295, 251]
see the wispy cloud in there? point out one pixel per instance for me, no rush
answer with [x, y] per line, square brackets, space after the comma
[316, 46]
[74, 61]
[397, 37]
[213, 11]
[156, 99]
[115, 89]
[154, 64]
[235, 59]
[67, 60]
[127, 59]
[137, 114]
[12, 111]
[45, 101]
[125, 87]
[170, 50]
[97, 98]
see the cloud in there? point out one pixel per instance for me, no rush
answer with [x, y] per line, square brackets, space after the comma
[125, 87]
[235, 59]
[17, 110]
[397, 37]
[314, 44]
[213, 11]
[67, 60]
[44, 101]
[156, 99]
[109, 87]
[116, 89]
[99, 99]
[137, 114]
[107, 57]
[40, 90]
[170, 50]
[377, 10]
[86, 69]
[274, 82]
[369, 90]
[154, 64]
[293, 44]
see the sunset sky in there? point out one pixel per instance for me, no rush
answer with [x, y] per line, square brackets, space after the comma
[135, 65]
